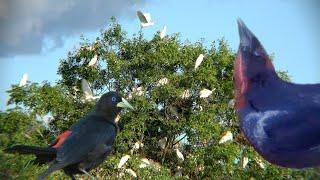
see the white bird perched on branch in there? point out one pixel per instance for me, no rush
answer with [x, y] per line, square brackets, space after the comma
[163, 32]
[162, 142]
[226, 137]
[163, 81]
[123, 160]
[186, 94]
[245, 161]
[231, 103]
[198, 61]
[137, 145]
[93, 61]
[260, 163]
[24, 80]
[145, 19]
[87, 91]
[179, 155]
[131, 172]
[204, 93]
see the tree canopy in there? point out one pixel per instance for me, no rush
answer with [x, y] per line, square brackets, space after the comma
[159, 78]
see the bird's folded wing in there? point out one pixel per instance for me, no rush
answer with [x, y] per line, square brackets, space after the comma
[82, 141]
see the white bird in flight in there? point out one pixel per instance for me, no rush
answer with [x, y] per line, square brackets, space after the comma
[145, 19]
[204, 93]
[87, 91]
[198, 61]
[24, 80]
[123, 160]
[163, 32]
[93, 61]
[226, 137]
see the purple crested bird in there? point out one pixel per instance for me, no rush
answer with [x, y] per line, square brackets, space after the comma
[280, 119]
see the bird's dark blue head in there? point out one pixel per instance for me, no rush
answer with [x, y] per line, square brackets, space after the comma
[110, 104]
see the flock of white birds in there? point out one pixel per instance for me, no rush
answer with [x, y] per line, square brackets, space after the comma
[145, 21]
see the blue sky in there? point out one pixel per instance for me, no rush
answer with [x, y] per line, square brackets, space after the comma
[288, 29]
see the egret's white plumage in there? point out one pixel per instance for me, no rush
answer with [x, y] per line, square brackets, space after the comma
[145, 19]
[198, 61]
[260, 163]
[149, 162]
[123, 160]
[131, 172]
[144, 163]
[179, 155]
[93, 61]
[231, 103]
[24, 80]
[162, 142]
[186, 94]
[245, 161]
[226, 137]
[137, 91]
[137, 145]
[163, 81]
[204, 93]
[163, 32]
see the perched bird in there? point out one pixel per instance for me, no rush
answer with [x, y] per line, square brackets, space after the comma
[88, 95]
[226, 137]
[280, 119]
[131, 172]
[260, 163]
[163, 32]
[204, 93]
[145, 19]
[198, 61]
[179, 155]
[163, 81]
[231, 103]
[137, 145]
[93, 61]
[186, 94]
[245, 161]
[149, 163]
[162, 142]
[24, 80]
[123, 160]
[86, 144]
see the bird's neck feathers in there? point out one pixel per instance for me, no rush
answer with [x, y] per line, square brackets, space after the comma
[107, 114]
[253, 67]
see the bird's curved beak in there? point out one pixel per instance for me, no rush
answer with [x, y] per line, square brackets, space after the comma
[125, 104]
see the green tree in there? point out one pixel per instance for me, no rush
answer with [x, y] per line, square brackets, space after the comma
[191, 124]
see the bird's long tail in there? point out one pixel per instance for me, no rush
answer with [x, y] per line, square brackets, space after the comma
[43, 154]
[23, 149]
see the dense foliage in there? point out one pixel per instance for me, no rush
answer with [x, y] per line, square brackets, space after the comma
[133, 67]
